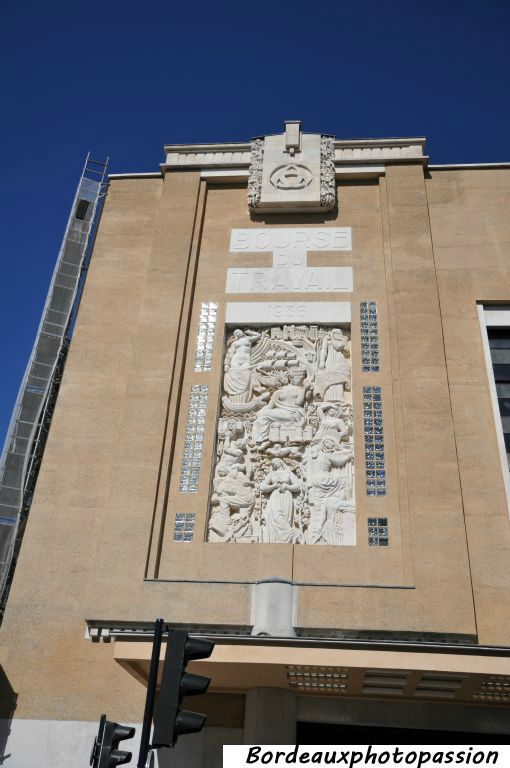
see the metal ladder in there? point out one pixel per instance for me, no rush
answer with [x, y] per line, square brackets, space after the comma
[31, 417]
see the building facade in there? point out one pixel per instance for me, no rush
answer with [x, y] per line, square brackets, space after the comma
[300, 345]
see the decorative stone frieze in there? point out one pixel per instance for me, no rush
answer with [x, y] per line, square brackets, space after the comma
[284, 463]
[255, 177]
[328, 185]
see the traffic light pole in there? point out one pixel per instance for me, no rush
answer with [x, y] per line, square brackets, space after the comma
[105, 750]
[151, 693]
[170, 721]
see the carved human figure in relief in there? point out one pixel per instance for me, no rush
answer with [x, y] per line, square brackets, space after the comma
[330, 484]
[333, 374]
[234, 495]
[233, 455]
[238, 370]
[330, 491]
[333, 421]
[327, 458]
[278, 514]
[280, 451]
[325, 527]
[285, 408]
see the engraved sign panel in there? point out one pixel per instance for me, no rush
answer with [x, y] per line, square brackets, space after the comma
[285, 280]
[264, 312]
[284, 462]
[277, 238]
[290, 257]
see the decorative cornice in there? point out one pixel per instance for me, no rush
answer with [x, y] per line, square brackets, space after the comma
[240, 173]
[207, 155]
[147, 175]
[377, 150]
[237, 146]
[469, 166]
[349, 151]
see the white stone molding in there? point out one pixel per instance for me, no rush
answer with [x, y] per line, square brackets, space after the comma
[327, 182]
[468, 166]
[496, 318]
[370, 170]
[284, 463]
[259, 313]
[367, 150]
[255, 177]
[273, 608]
[204, 155]
[349, 152]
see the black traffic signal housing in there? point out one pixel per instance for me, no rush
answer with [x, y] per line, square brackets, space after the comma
[170, 721]
[105, 752]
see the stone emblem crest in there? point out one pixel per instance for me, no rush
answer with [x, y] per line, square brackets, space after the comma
[292, 172]
[291, 177]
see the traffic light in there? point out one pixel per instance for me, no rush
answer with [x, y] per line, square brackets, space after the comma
[104, 752]
[170, 722]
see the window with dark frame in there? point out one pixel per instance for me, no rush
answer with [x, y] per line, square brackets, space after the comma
[499, 343]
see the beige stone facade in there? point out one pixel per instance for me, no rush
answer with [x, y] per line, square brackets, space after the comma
[428, 246]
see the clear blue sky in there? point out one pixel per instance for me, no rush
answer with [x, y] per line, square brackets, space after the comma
[123, 78]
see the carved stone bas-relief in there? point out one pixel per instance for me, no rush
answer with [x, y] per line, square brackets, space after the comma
[255, 177]
[328, 184]
[292, 171]
[284, 464]
[291, 177]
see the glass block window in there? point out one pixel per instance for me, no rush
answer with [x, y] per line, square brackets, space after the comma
[205, 336]
[377, 531]
[374, 442]
[183, 526]
[369, 337]
[194, 439]
[499, 343]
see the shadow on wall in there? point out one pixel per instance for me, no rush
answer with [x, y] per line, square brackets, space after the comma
[199, 749]
[8, 699]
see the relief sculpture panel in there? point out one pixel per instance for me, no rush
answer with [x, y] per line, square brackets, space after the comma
[284, 464]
